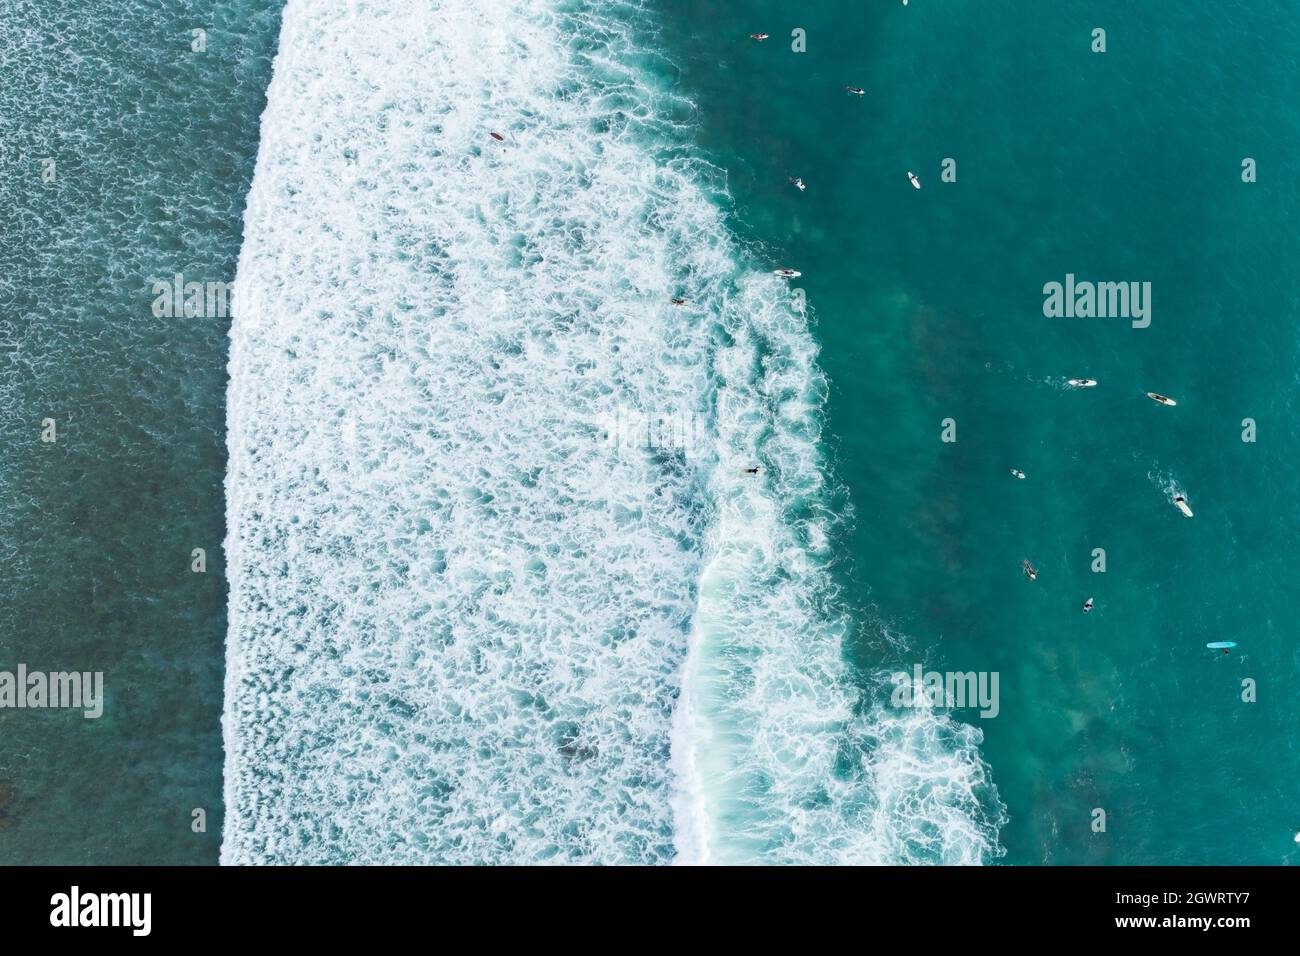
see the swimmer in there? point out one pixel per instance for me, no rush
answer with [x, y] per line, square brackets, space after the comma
[1017, 472]
[1087, 605]
[912, 178]
[1029, 570]
[751, 471]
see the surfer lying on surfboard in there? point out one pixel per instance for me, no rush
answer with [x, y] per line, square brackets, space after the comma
[911, 177]
[1083, 382]
[1181, 504]
[787, 273]
[1029, 570]
[1087, 605]
[1162, 399]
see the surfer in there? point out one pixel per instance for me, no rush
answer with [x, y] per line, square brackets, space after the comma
[1087, 605]
[1083, 382]
[856, 90]
[1029, 570]
[787, 273]
[752, 471]
[911, 176]
[1162, 399]
[798, 183]
[1181, 504]
[678, 301]
[1017, 472]
[760, 37]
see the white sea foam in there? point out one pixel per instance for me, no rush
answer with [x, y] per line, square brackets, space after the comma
[780, 758]
[459, 615]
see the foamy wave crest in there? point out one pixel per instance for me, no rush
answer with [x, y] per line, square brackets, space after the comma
[460, 615]
[779, 757]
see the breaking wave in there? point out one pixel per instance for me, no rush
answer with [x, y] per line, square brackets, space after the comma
[474, 617]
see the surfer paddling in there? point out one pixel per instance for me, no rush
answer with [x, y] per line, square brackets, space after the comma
[1181, 504]
[760, 37]
[1087, 605]
[798, 183]
[677, 300]
[1083, 383]
[1162, 399]
[911, 177]
[855, 91]
[1029, 570]
[1018, 473]
[787, 273]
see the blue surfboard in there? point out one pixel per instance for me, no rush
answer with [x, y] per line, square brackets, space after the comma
[1216, 645]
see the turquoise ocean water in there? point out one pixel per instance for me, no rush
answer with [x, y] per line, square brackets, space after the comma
[153, 147]
[464, 630]
[1117, 166]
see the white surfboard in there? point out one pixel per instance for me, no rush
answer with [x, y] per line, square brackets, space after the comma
[912, 178]
[787, 273]
[1083, 382]
[1181, 504]
[1162, 399]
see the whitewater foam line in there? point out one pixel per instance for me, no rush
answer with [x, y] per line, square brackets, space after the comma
[461, 612]
[457, 612]
[779, 756]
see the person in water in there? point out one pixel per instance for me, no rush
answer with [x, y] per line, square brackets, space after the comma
[752, 471]
[1087, 605]
[1029, 571]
